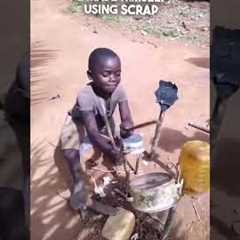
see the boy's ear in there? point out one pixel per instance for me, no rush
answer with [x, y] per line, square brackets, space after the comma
[89, 74]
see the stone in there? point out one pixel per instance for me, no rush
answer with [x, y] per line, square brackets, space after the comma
[120, 226]
[144, 33]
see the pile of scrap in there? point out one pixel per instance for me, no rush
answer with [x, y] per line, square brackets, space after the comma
[122, 223]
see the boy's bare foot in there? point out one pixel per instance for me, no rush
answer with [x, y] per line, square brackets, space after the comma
[79, 197]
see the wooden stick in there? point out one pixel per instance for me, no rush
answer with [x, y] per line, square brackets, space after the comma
[120, 193]
[141, 125]
[199, 127]
[196, 211]
[109, 130]
[106, 171]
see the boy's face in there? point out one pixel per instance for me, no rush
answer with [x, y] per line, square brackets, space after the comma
[106, 74]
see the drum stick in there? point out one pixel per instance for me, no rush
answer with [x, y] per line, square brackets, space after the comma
[141, 125]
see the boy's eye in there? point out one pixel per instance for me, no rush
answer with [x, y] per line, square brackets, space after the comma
[118, 74]
[105, 74]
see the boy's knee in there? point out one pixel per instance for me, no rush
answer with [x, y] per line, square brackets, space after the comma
[71, 154]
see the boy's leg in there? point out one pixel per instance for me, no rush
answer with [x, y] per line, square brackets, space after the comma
[70, 144]
[79, 192]
[72, 158]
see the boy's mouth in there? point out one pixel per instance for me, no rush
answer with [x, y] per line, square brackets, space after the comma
[111, 86]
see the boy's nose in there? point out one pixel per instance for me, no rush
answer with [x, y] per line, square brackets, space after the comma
[112, 78]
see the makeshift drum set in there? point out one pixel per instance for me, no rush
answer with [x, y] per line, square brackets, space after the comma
[159, 192]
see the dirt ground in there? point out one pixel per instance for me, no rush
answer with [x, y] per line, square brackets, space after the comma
[61, 43]
[185, 21]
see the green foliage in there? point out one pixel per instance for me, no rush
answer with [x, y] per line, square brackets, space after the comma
[76, 6]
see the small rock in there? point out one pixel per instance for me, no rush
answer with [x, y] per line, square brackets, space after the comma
[166, 34]
[185, 26]
[120, 226]
[55, 97]
[145, 163]
[97, 217]
[137, 17]
[95, 31]
[153, 44]
[204, 29]
[64, 193]
[144, 33]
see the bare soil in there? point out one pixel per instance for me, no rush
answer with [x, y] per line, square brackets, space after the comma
[184, 21]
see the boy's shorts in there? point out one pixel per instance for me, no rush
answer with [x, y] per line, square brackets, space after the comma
[72, 138]
[69, 137]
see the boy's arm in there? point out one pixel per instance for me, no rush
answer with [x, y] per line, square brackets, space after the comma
[102, 143]
[126, 119]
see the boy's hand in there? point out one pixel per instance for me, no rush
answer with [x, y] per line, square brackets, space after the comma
[124, 132]
[116, 155]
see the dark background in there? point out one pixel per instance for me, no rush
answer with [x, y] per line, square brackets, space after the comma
[225, 130]
[14, 44]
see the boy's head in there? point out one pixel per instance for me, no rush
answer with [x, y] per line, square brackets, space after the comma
[104, 69]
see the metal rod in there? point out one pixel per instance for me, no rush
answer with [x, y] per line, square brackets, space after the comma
[137, 164]
[130, 166]
[157, 133]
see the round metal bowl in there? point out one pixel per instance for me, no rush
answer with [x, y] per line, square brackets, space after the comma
[154, 192]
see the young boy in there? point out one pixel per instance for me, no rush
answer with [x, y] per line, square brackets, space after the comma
[86, 123]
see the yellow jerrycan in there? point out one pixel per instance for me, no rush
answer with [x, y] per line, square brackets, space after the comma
[195, 166]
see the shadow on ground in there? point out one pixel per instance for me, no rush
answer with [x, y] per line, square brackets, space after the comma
[40, 57]
[61, 165]
[199, 62]
[172, 139]
[176, 232]
[51, 217]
